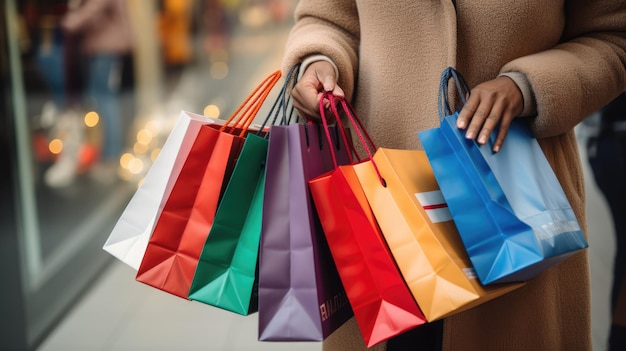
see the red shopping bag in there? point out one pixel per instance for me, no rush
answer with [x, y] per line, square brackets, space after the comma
[382, 303]
[172, 254]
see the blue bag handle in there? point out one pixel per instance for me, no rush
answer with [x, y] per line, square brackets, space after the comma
[462, 88]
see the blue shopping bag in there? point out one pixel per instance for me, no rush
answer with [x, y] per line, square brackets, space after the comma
[510, 209]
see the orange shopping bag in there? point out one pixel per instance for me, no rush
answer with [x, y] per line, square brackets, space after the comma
[419, 230]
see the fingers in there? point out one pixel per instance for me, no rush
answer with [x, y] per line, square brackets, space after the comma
[318, 78]
[507, 119]
[306, 95]
[491, 106]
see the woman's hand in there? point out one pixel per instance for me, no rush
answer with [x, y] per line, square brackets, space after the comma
[491, 104]
[318, 78]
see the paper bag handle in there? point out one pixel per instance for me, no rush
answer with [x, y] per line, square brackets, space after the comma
[245, 113]
[364, 137]
[462, 89]
[281, 103]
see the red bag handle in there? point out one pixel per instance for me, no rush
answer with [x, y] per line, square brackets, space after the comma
[245, 113]
[364, 137]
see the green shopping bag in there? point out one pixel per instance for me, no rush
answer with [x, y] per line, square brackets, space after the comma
[227, 271]
[225, 276]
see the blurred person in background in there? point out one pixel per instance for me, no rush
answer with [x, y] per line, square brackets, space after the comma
[55, 55]
[216, 27]
[104, 31]
[43, 18]
[606, 152]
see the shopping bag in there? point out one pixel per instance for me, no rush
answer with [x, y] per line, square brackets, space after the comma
[129, 238]
[226, 273]
[226, 270]
[172, 252]
[421, 235]
[510, 209]
[300, 294]
[382, 303]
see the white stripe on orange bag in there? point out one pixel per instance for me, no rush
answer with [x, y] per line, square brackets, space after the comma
[435, 206]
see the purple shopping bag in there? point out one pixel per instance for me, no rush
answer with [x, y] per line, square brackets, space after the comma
[301, 297]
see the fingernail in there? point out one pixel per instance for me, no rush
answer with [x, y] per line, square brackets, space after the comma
[469, 135]
[496, 149]
[328, 84]
[482, 139]
[460, 124]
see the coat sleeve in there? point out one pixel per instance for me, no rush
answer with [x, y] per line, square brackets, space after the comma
[329, 28]
[581, 74]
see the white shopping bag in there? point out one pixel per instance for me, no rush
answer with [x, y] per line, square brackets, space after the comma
[130, 236]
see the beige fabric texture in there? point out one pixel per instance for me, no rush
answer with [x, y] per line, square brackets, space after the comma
[390, 55]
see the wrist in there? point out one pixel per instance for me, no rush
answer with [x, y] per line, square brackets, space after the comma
[315, 58]
[528, 96]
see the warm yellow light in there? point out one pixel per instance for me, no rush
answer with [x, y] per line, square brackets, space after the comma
[219, 55]
[91, 119]
[153, 126]
[219, 70]
[140, 148]
[254, 16]
[212, 111]
[144, 136]
[55, 146]
[135, 166]
[154, 154]
[125, 160]
[140, 181]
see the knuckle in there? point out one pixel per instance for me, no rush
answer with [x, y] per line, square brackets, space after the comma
[470, 107]
[493, 117]
[480, 114]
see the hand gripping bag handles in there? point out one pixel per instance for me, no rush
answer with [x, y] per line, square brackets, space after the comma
[511, 212]
[300, 295]
[226, 274]
[172, 254]
[382, 303]
[129, 238]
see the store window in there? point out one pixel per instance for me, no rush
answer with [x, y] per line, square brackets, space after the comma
[91, 89]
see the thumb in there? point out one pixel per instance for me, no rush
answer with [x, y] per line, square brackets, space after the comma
[325, 74]
[329, 83]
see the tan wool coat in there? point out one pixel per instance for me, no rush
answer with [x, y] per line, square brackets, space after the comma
[390, 55]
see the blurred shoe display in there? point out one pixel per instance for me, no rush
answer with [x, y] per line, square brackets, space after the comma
[70, 130]
[62, 173]
[49, 114]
